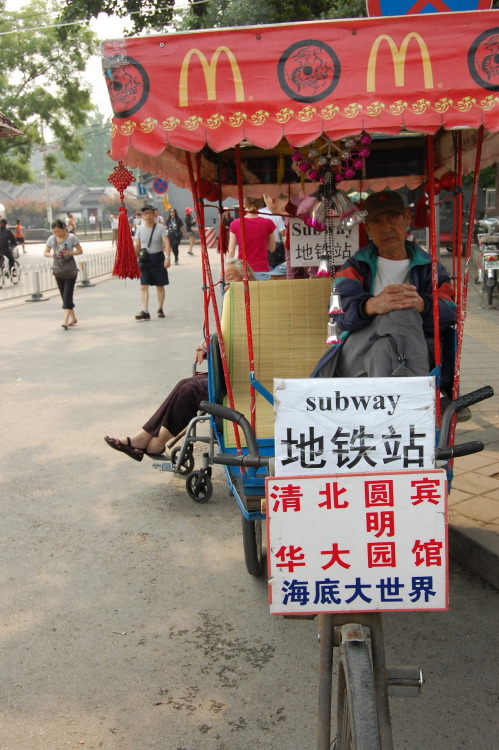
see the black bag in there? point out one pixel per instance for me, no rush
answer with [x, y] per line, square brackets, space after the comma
[278, 256]
[65, 268]
[144, 252]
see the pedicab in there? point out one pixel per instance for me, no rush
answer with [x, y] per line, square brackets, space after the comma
[311, 111]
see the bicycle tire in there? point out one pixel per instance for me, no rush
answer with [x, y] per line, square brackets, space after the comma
[15, 274]
[253, 545]
[357, 716]
[490, 295]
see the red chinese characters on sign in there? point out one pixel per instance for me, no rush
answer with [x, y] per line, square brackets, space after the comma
[379, 493]
[287, 499]
[290, 557]
[332, 492]
[357, 542]
[426, 490]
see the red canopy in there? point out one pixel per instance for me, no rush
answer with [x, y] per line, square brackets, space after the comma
[258, 84]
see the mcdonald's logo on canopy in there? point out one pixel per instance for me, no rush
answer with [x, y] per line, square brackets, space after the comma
[210, 74]
[398, 57]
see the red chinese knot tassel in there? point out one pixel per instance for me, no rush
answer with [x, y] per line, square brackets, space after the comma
[421, 218]
[125, 261]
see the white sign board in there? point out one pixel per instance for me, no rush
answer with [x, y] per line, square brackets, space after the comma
[307, 244]
[357, 542]
[337, 425]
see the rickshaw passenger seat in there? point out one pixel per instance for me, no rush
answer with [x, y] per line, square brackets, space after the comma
[219, 389]
[289, 326]
[217, 386]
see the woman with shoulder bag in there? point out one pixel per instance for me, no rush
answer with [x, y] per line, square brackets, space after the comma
[174, 226]
[62, 247]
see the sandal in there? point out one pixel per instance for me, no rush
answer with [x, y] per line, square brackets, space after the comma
[73, 323]
[136, 453]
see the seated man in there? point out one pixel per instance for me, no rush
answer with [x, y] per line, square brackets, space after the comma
[181, 405]
[387, 301]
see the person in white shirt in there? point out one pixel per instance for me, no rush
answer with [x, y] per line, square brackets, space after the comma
[153, 251]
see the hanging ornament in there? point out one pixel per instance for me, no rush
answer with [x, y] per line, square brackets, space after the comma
[125, 261]
[448, 181]
[343, 159]
[332, 333]
[334, 301]
[437, 186]
[349, 213]
[323, 271]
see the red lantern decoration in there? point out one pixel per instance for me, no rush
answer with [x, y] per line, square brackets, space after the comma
[437, 186]
[213, 194]
[448, 181]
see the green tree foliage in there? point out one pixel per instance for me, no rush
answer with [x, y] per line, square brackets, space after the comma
[93, 166]
[205, 15]
[31, 212]
[42, 88]
[144, 14]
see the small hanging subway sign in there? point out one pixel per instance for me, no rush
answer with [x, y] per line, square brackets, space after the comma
[357, 542]
[307, 244]
[340, 425]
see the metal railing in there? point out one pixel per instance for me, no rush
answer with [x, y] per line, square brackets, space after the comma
[37, 278]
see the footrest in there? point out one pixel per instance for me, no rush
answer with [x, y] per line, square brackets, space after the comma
[404, 681]
[162, 465]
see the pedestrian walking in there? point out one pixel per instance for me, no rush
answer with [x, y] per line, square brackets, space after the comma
[62, 247]
[19, 235]
[70, 223]
[190, 228]
[7, 243]
[174, 226]
[153, 251]
[157, 217]
[114, 229]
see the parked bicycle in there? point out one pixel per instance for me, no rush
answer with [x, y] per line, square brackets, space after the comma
[13, 275]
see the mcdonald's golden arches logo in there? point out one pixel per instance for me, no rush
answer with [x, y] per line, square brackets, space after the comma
[210, 75]
[398, 56]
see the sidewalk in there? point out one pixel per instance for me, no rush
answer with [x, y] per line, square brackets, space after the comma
[474, 498]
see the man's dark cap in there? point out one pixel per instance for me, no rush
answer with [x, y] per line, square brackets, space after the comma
[383, 203]
[148, 207]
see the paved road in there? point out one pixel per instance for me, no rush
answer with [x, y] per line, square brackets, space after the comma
[129, 620]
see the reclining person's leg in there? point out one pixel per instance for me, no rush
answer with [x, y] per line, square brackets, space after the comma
[392, 346]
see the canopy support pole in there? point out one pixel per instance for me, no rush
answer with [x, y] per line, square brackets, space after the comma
[247, 303]
[208, 290]
[469, 240]
[432, 237]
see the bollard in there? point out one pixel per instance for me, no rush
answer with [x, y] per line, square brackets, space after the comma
[84, 273]
[36, 295]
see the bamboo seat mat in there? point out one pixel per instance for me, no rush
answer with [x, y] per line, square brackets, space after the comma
[289, 322]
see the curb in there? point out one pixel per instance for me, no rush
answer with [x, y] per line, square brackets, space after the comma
[468, 550]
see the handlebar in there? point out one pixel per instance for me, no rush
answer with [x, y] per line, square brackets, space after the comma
[253, 458]
[444, 450]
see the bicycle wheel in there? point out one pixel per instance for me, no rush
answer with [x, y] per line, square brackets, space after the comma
[357, 717]
[253, 545]
[15, 274]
